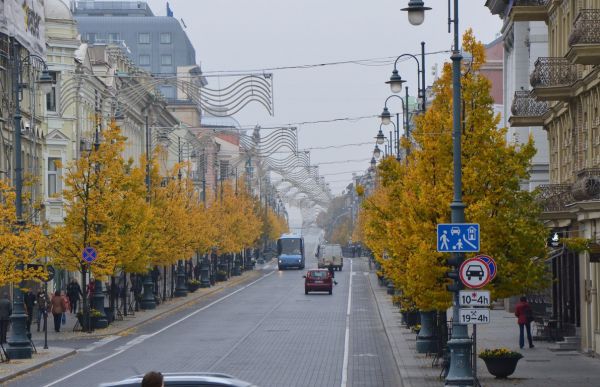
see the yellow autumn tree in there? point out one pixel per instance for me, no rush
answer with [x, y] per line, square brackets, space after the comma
[93, 192]
[419, 196]
[492, 170]
[171, 235]
[20, 242]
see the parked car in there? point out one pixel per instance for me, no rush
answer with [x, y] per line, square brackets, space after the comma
[187, 379]
[318, 280]
[330, 254]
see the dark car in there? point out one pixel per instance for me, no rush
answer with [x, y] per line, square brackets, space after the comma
[187, 379]
[318, 280]
[475, 271]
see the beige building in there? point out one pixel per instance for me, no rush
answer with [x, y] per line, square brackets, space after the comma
[565, 100]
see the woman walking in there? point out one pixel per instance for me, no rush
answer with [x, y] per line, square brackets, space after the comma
[58, 307]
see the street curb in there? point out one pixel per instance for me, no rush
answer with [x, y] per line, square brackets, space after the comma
[402, 371]
[36, 366]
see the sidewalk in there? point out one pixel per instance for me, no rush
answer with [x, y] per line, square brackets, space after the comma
[123, 327]
[540, 367]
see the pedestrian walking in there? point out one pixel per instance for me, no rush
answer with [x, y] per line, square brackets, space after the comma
[524, 315]
[29, 303]
[43, 303]
[5, 312]
[153, 379]
[74, 293]
[58, 307]
[332, 273]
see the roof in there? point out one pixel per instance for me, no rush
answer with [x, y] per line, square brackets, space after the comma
[58, 10]
[210, 121]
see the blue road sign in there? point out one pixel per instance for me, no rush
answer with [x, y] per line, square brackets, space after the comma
[458, 238]
[489, 261]
[89, 254]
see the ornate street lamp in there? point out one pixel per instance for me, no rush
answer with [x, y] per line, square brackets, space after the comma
[377, 152]
[373, 162]
[461, 371]
[386, 119]
[416, 12]
[396, 80]
[380, 138]
[19, 345]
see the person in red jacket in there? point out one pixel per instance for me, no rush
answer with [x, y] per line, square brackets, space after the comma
[524, 315]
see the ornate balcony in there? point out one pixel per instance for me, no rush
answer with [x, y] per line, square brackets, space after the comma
[528, 10]
[552, 79]
[585, 38]
[554, 197]
[526, 110]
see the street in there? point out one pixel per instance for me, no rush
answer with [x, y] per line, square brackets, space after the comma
[267, 332]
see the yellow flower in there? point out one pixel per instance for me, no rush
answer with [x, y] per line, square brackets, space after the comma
[498, 353]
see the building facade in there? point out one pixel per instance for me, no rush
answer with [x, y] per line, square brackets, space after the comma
[565, 99]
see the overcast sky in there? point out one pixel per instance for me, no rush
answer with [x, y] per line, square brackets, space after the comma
[257, 34]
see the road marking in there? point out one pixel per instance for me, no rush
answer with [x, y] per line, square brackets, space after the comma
[98, 344]
[124, 348]
[347, 335]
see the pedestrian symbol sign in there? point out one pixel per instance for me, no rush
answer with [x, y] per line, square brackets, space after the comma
[458, 238]
[89, 254]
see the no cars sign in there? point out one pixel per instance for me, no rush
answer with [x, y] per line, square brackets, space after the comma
[475, 273]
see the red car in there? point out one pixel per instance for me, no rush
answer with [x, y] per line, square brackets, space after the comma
[318, 280]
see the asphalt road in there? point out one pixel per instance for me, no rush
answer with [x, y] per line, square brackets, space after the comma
[267, 332]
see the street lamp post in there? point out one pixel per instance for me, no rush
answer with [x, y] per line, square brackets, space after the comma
[148, 301]
[19, 345]
[180, 288]
[461, 372]
[386, 119]
[396, 80]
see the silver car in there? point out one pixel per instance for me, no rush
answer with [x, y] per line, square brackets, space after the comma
[186, 379]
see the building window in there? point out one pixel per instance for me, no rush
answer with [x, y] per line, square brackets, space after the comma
[167, 91]
[51, 96]
[114, 37]
[144, 60]
[165, 38]
[54, 176]
[144, 38]
[166, 60]
[90, 37]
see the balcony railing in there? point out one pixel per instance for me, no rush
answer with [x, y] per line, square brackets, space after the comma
[524, 105]
[554, 197]
[553, 72]
[586, 28]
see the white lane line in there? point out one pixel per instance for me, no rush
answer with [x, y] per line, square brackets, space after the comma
[98, 344]
[347, 336]
[127, 346]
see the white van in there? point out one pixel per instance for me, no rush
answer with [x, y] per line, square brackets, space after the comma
[330, 254]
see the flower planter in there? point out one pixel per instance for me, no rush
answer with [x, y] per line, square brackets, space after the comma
[192, 287]
[83, 323]
[501, 367]
[410, 318]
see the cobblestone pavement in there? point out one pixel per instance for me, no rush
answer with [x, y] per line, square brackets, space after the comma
[540, 366]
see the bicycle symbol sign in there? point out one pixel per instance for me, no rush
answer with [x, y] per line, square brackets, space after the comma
[89, 254]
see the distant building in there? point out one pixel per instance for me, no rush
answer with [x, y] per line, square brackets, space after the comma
[157, 44]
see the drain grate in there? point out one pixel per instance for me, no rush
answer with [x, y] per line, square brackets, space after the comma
[538, 360]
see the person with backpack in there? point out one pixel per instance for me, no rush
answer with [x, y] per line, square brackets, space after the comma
[524, 315]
